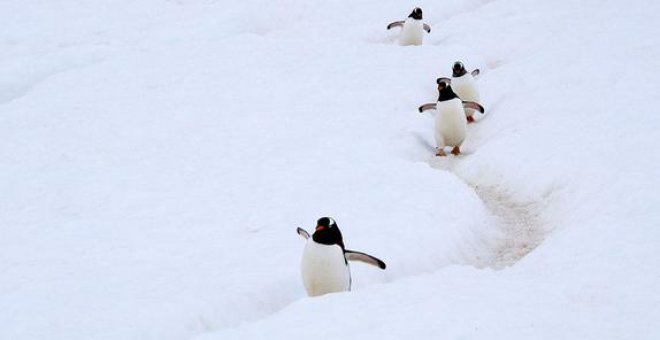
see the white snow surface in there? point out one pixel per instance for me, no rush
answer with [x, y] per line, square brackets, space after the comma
[156, 157]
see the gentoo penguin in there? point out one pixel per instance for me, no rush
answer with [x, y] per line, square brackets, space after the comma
[412, 28]
[465, 87]
[324, 264]
[450, 121]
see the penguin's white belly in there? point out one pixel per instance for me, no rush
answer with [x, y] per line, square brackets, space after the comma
[412, 32]
[466, 88]
[450, 123]
[324, 269]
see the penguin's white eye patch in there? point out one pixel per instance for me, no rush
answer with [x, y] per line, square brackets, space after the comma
[331, 223]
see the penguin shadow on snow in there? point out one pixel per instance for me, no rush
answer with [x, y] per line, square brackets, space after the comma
[423, 143]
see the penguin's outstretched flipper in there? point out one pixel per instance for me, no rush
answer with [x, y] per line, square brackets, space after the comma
[472, 105]
[475, 73]
[427, 28]
[429, 106]
[395, 24]
[302, 232]
[352, 255]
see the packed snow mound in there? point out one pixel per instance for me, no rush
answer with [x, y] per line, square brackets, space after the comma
[157, 157]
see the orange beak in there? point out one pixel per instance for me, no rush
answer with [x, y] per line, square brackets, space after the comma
[319, 227]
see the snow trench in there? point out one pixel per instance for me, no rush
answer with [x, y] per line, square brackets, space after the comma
[520, 224]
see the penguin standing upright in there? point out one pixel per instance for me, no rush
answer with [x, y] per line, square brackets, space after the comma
[324, 264]
[412, 29]
[465, 87]
[450, 121]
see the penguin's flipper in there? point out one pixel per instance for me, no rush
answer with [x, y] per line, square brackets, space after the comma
[395, 24]
[302, 232]
[352, 255]
[475, 73]
[429, 106]
[473, 105]
[427, 28]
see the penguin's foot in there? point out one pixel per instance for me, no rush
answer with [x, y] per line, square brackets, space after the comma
[440, 153]
[470, 119]
[456, 151]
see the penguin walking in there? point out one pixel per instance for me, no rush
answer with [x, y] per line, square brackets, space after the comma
[450, 121]
[465, 86]
[324, 266]
[412, 29]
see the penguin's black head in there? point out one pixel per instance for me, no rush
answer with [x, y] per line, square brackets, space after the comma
[325, 223]
[444, 89]
[458, 70]
[327, 232]
[416, 14]
[443, 83]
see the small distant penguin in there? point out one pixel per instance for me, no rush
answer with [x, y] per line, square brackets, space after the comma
[465, 87]
[412, 29]
[324, 264]
[450, 121]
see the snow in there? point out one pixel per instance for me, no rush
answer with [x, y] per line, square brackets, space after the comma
[157, 157]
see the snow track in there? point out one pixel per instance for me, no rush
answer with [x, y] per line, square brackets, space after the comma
[520, 224]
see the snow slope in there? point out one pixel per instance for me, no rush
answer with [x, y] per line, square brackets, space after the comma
[157, 156]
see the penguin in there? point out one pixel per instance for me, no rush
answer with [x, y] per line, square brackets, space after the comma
[324, 265]
[465, 87]
[412, 28]
[450, 121]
